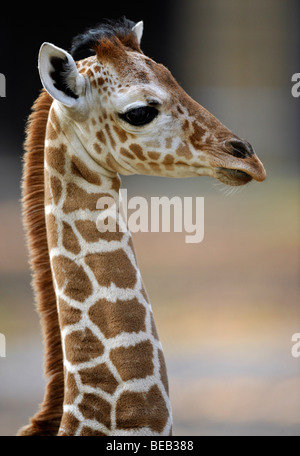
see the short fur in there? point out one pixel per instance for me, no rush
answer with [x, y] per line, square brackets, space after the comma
[46, 422]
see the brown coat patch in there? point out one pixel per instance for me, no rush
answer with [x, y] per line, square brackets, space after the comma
[90, 233]
[133, 362]
[116, 184]
[113, 318]
[168, 160]
[88, 432]
[56, 190]
[68, 315]
[137, 410]
[71, 278]
[100, 81]
[109, 134]
[82, 346]
[112, 267]
[52, 231]
[77, 198]
[126, 153]
[55, 157]
[51, 132]
[154, 155]
[155, 167]
[95, 408]
[184, 151]
[80, 169]
[163, 371]
[138, 151]
[122, 135]
[196, 137]
[69, 425]
[101, 137]
[99, 377]
[97, 148]
[69, 240]
[71, 389]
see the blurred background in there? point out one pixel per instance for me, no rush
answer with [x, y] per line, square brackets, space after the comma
[226, 309]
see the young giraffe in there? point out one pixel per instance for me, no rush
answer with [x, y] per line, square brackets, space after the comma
[115, 111]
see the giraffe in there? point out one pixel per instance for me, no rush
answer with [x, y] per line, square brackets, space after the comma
[107, 109]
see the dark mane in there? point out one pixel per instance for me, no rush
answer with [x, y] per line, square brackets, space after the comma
[84, 45]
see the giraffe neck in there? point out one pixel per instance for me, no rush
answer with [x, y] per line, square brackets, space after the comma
[115, 375]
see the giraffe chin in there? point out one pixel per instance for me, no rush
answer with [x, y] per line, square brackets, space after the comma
[233, 177]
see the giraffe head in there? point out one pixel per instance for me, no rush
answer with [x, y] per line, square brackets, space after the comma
[132, 117]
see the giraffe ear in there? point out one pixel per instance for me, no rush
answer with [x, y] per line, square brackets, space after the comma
[59, 75]
[138, 29]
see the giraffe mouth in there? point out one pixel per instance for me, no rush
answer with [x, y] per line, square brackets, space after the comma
[233, 177]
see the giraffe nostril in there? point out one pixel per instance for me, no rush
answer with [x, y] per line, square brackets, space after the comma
[239, 148]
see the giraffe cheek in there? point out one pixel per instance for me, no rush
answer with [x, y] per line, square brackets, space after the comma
[196, 138]
[183, 151]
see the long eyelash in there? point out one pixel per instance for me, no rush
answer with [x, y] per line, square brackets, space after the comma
[152, 113]
[123, 112]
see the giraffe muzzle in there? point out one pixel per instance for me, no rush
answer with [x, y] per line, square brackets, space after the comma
[241, 164]
[239, 148]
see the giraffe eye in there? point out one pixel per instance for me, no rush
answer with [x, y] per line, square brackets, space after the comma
[140, 116]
